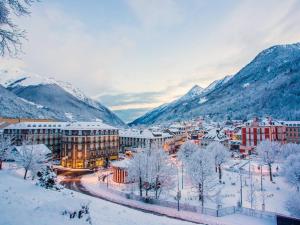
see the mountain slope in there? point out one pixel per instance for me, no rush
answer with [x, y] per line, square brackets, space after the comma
[268, 85]
[60, 99]
[13, 106]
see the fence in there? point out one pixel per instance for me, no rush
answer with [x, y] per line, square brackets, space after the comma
[198, 209]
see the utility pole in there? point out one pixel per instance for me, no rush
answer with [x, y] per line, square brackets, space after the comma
[241, 188]
[181, 175]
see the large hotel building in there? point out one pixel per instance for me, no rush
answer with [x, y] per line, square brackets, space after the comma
[76, 145]
[255, 131]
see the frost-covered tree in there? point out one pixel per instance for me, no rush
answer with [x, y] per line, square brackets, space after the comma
[293, 204]
[268, 151]
[201, 171]
[291, 170]
[152, 171]
[252, 197]
[161, 171]
[30, 158]
[289, 149]
[10, 34]
[5, 145]
[186, 150]
[136, 170]
[220, 155]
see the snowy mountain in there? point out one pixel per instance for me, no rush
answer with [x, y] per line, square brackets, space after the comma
[268, 85]
[195, 91]
[54, 99]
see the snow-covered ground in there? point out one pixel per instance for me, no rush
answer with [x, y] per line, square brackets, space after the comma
[24, 203]
[274, 195]
[91, 183]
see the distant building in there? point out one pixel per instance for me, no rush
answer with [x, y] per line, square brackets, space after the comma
[214, 135]
[132, 138]
[292, 131]
[255, 131]
[120, 171]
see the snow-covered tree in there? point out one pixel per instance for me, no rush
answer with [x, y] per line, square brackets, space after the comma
[186, 150]
[10, 34]
[220, 155]
[161, 171]
[252, 193]
[268, 151]
[291, 170]
[152, 171]
[201, 171]
[293, 204]
[30, 157]
[136, 170]
[47, 178]
[289, 149]
[5, 145]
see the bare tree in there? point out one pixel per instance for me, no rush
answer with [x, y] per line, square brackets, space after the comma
[268, 151]
[10, 34]
[152, 171]
[291, 170]
[5, 145]
[220, 155]
[136, 170]
[30, 157]
[201, 171]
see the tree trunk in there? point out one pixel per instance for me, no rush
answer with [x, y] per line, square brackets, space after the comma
[0, 164]
[200, 192]
[270, 172]
[220, 174]
[216, 168]
[140, 187]
[156, 188]
[25, 175]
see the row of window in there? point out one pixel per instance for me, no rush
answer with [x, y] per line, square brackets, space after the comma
[89, 132]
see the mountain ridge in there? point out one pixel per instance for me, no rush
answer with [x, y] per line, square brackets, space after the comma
[267, 85]
[60, 99]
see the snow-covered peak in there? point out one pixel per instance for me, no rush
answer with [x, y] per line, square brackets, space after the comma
[195, 91]
[16, 77]
[216, 83]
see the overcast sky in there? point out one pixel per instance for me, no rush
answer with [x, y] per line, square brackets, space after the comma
[142, 53]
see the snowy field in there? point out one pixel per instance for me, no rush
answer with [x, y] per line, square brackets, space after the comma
[24, 203]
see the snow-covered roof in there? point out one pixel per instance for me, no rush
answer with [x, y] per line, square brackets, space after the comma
[62, 125]
[291, 123]
[264, 122]
[215, 134]
[37, 125]
[147, 134]
[40, 148]
[121, 163]
[88, 126]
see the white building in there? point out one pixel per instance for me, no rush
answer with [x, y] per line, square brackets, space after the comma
[132, 138]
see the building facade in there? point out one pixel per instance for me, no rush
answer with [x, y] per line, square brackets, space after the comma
[76, 145]
[255, 131]
[292, 131]
[48, 133]
[130, 139]
[89, 145]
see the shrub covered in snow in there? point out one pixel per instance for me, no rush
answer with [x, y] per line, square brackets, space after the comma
[82, 213]
[293, 205]
[48, 179]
